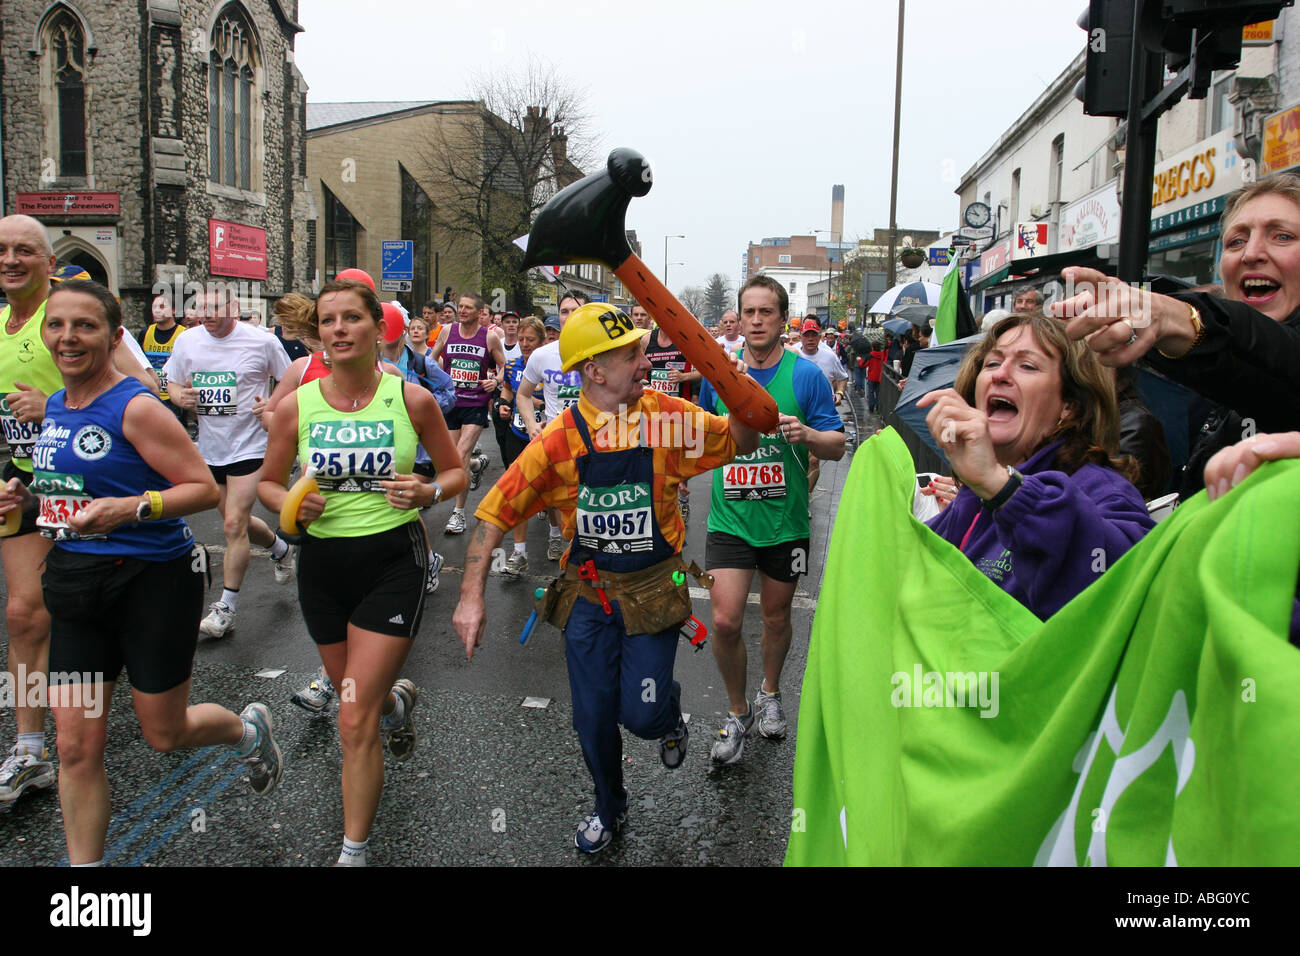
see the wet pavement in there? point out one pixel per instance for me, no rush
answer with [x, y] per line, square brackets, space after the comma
[492, 782]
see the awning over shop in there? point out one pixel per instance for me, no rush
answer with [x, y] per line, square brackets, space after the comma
[1102, 257]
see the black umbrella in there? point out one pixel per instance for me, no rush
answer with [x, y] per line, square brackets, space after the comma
[918, 315]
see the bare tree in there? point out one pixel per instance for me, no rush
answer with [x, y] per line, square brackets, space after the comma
[694, 299]
[529, 136]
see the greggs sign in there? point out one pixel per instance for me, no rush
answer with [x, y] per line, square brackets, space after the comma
[1207, 170]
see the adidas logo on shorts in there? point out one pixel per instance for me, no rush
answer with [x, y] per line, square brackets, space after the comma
[613, 548]
[396, 619]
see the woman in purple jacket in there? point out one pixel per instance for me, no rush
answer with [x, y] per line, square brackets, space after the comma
[1031, 427]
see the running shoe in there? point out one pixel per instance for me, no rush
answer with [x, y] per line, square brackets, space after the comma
[21, 770]
[219, 622]
[516, 564]
[435, 566]
[477, 465]
[284, 568]
[555, 548]
[771, 718]
[401, 739]
[455, 524]
[264, 763]
[731, 738]
[672, 745]
[593, 836]
[315, 698]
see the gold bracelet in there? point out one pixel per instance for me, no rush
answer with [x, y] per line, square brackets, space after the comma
[155, 505]
[1198, 327]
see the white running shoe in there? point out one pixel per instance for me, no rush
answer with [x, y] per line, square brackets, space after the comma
[219, 622]
[455, 524]
[21, 770]
[284, 568]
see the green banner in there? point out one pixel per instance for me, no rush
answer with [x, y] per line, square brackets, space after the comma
[1152, 721]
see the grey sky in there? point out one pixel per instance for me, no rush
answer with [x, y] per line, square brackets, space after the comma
[749, 111]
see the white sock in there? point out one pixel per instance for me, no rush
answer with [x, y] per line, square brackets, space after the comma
[33, 743]
[459, 511]
[555, 532]
[99, 862]
[393, 719]
[230, 598]
[521, 547]
[247, 743]
[354, 854]
[279, 548]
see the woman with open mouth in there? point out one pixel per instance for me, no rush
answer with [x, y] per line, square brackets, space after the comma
[1031, 427]
[1242, 351]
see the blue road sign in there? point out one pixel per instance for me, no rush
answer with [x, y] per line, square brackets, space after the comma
[398, 260]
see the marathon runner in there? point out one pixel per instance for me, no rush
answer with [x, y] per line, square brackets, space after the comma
[220, 370]
[114, 472]
[27, 375]
[531, 336]
[466, 348]
[560, 389]
[758, 516]
[730, 339]
[158, 340]
[671, 374]
[620, 507]
[365, 552]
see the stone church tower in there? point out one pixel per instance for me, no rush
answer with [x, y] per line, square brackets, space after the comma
[162, 143]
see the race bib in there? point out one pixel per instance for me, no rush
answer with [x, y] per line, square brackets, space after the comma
[21, 436]
[518, 420]
[465, 372]
[568, 395]
[218, 393]
[62, 496]
[350, 455]
[660, 383]
[755, 477]
[615, 520]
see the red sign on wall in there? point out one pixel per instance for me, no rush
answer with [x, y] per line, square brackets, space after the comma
[69, 204]
[236, 250]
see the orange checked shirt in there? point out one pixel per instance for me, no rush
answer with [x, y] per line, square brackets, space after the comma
[686, 441]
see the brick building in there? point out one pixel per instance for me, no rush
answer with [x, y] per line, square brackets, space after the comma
[161, 142]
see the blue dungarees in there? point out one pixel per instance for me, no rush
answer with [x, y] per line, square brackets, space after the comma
[614, 677]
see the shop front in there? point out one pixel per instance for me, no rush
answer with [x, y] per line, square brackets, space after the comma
[1189, 194]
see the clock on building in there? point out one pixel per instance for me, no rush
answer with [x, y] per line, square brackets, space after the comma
[977, 215]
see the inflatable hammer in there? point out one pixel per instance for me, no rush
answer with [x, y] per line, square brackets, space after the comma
[584, 222]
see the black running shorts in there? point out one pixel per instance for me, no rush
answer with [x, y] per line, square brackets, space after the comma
[467, 415]
[235, 469]
[375, 582]
[786, 561]
[106, 613]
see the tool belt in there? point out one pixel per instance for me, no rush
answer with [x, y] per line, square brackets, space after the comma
[649, 599]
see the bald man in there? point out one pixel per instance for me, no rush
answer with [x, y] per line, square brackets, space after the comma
[27, 376]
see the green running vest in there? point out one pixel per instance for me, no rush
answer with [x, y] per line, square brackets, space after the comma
[762, 497]
[24, 358]
[352, 452]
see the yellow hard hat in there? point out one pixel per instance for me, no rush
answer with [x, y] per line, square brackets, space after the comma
[594, 328]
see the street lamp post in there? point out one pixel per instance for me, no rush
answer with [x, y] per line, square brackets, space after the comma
[666, 238]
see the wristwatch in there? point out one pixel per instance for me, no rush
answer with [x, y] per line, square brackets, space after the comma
[1014, 480]
[437, 493]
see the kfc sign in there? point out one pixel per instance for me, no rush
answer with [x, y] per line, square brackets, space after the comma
[236, 250]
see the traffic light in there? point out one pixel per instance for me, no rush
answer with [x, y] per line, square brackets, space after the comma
[1210, 28]
[1104, 87]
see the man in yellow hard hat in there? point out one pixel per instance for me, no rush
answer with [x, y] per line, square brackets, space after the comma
[611, 465]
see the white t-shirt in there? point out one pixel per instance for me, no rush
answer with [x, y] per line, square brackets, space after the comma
[730, 345]
[560, 389]
[827, 361]
[133, 347]
[229, 372]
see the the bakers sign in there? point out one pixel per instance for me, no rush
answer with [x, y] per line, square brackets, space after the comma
[1209, 169]
[236, 250]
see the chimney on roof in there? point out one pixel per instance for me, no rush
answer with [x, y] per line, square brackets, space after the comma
[837, 213]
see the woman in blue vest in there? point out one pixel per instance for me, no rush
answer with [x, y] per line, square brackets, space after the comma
[113, 471]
